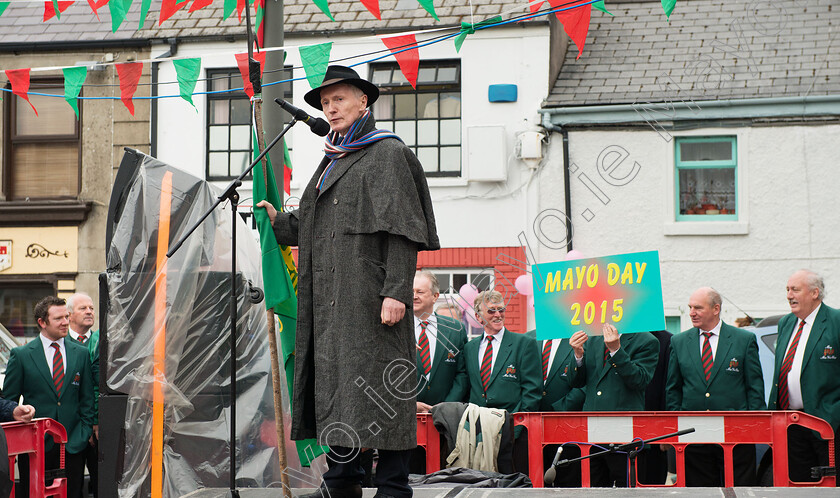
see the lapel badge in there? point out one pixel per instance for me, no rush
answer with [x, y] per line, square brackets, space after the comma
[76, 379]
[510, 371]
[828, 353]
[565, 371]
[733, 365]
[450, 356]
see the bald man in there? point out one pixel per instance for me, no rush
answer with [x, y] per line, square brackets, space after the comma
[714, 366]
[807, 373]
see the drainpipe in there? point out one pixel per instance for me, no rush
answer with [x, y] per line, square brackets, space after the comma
[551, 127]
[173, 49]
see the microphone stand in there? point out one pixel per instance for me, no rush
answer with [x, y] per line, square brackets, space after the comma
[230, 194]
[632, 449]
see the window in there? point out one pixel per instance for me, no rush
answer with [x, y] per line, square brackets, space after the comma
[451, 280]
[42, 156]
[706, 179]
[228, 126]
[17, 304]
[428, 119]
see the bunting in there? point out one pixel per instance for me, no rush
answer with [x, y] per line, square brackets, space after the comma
[169, 7]
[3, 6]
[55, 8]
[228, 8]
[668, 7]
[19, 78]
[95, 5]
[242, 63]
[602, 7]
[187, 71]
[373, 7]
[74, 78]
[129, 75]
[199, 4]
[322, 4]
[259, 21]
[118, 9]
[145, 5]
[315, 59]
[575, 22]
[429, 6]
[408, 57]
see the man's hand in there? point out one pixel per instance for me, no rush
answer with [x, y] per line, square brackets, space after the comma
[576, 342]
[611, 339]
[95, 436]
[23, 413]
[269, 209]
[392, 311]
[423, 407]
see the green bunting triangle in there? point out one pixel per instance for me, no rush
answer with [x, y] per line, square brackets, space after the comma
[144, 11]
[229, 7]
[322, 4]
[57, 11]
[187, 72]
[3, 6]
[429, 5]
[603, 8]
[119, 9]
[668, 7]
[315, 59]
[74, 78]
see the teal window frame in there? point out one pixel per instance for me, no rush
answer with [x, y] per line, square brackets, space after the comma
[709, 164]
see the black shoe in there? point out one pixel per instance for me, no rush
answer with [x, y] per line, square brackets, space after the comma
[354, 491]
[380, 494]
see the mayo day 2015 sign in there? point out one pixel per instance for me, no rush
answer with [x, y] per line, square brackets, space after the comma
[624, 290]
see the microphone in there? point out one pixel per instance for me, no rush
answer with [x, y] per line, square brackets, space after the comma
[551, 473]
[318, 125]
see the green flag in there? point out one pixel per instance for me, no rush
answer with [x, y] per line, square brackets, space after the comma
[144, 11]
[74, 78]
[187, 71]
[229, 7]
[119, 9]
[603, 8]
[3, 6]
[280, 283]
[315, 59]
[668, 7]
[429, 5]
[325, 8]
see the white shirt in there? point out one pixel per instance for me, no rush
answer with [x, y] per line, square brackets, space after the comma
[497, 341]
[49, 352]
[431, 334]
[555, 343]
[713, 339]
[75, 335]
[794, 389]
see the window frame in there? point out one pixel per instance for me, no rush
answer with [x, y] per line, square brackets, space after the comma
[437, 88]
[228, 96]
[11, 139]
[711, 164]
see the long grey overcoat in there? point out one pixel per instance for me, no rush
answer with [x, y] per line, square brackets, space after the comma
[358, 239]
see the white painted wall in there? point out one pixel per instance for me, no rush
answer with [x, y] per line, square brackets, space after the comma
[469, 213]
[789, 180]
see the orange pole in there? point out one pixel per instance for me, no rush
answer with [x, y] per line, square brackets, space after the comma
[159, 367]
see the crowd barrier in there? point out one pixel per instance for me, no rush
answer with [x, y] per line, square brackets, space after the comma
[28, 438]
[726, 429]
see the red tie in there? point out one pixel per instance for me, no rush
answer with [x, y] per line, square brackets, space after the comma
[707, 358]
[425, 353]
[546, 356]
[487, 363]
[82, 338]
[58, 368]
[784, 394]
[606, 354]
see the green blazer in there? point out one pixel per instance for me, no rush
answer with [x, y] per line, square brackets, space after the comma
[820, 376]
[515, 379]
[92, 345]
[618, 385]
[735, 383]
[448, 378]
[558, 395]
[27, 375]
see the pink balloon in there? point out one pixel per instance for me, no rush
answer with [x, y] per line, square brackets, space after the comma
[524, 284]
[531, 303]
[471, 319]
[468, 292]
[574, 254]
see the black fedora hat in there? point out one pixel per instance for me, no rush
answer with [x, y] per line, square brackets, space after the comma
[341, 74]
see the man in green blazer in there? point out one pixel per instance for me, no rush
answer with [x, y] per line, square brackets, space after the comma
[807, 371]
[614, 371]
[54, 376]
[714, 366]
[82, 319]
[558, 395]
[503, 368]
[441, 370]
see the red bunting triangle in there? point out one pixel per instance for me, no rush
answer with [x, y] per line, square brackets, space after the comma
[96, 5]
[240, 6]
[199, 4]
[373, 7]
[168, 8]
[408, 57]
[575, 22]
[242, 63]
[19, 78]
[535, 6]
[129, 75]
[49, 8]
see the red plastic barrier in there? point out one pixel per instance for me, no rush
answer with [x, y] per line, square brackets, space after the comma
[429, 438]
[724, 428]
[28, 438]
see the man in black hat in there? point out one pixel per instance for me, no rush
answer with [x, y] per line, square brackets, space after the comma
[362, 218]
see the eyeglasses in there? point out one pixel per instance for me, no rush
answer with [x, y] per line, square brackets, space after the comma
[493, 311]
